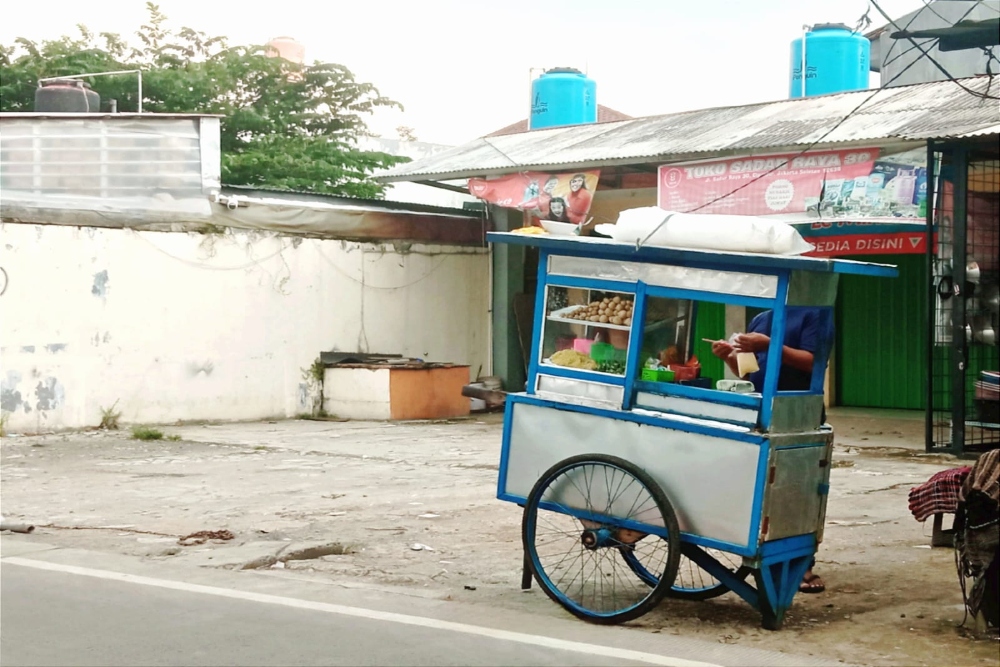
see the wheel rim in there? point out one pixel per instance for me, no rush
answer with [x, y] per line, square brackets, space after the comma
[577, 522]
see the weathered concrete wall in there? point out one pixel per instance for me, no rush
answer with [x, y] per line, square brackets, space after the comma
[185, 326]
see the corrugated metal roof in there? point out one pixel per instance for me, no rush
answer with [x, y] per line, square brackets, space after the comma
[604, 115]
[917, 113]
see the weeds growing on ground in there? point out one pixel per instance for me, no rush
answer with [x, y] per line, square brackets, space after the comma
[109, 418]
[146, 433]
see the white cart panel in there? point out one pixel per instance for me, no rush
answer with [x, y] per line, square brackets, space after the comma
[709, 480]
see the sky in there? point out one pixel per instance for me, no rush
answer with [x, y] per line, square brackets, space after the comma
[463, 69]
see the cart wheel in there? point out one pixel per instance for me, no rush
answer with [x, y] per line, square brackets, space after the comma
[579, 516]
[692, 582]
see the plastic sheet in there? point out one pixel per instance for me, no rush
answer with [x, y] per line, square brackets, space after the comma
[734, 233]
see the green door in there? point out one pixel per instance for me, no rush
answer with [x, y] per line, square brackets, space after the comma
[881, 336]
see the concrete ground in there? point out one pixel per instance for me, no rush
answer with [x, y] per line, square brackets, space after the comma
[410, 509]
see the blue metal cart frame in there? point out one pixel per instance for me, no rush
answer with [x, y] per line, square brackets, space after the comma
[746, 474]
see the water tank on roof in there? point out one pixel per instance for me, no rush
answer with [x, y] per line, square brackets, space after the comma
[562, 96]
[836, 60]
[66, 96]
[289, 49]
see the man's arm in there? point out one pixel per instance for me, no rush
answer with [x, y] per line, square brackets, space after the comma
[757, 342]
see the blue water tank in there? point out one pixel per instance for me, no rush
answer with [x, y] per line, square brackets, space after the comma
[836, 61]
[562, 96]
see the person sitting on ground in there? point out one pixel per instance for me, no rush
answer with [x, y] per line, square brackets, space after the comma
[803, 336]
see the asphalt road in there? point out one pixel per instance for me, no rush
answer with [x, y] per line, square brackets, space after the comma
[56, 618]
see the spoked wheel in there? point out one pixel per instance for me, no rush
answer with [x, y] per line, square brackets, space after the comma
[580, 517]
[692, 582]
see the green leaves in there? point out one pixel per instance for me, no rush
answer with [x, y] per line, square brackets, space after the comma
[284, 125]
[310, 163]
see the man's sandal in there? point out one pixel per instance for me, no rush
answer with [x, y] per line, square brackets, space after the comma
[812, 584]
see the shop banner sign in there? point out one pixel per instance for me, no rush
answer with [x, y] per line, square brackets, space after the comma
[836, 239]
[546, 196]
[854, 184]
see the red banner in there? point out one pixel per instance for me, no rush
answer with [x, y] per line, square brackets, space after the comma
[788, 183]
[901, 243]
[557, 197]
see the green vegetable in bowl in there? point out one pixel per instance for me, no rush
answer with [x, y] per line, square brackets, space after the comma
[613, 367]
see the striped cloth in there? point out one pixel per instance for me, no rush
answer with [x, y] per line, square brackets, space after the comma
[939, 494]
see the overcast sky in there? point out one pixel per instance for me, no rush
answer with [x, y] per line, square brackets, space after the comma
[462, 69]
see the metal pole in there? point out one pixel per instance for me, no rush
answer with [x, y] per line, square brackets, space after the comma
[931, 303]
[140, 91]
[805, 31]
[959, 350]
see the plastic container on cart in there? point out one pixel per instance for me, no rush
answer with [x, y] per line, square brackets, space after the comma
[736, 386]
[682, 373]
[583, 345]
[600, 352]
[657, 375]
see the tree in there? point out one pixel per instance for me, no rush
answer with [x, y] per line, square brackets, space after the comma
[406, 133]
[284, 125]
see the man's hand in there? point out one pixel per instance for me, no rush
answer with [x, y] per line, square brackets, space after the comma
[722, 349]
[751, 342]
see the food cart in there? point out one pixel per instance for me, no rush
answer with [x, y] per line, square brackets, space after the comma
[640, 479]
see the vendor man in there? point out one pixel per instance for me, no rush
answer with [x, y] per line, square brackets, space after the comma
[804, 333]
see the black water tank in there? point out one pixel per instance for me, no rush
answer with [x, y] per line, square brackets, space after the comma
[66, 96]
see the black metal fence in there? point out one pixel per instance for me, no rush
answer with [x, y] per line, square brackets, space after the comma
[963, 255]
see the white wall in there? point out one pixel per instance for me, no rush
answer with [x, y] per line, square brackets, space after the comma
[185, 326]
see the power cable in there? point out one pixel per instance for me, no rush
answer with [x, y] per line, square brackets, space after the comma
[864, 21]
[938, 65]
[929, 4]
[853, 111]
[885, 58]
[964, 16]
[799, 154]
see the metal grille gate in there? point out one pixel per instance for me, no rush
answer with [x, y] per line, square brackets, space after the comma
[963, 256]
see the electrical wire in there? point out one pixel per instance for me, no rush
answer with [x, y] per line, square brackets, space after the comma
[799, 154]
[853, 111]
[914, 47]
[208, 267]
[864, 21]
[929, 4]
[983, 96]
[816, 141]
[497, 149]
[885, 58]
[364, 285]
